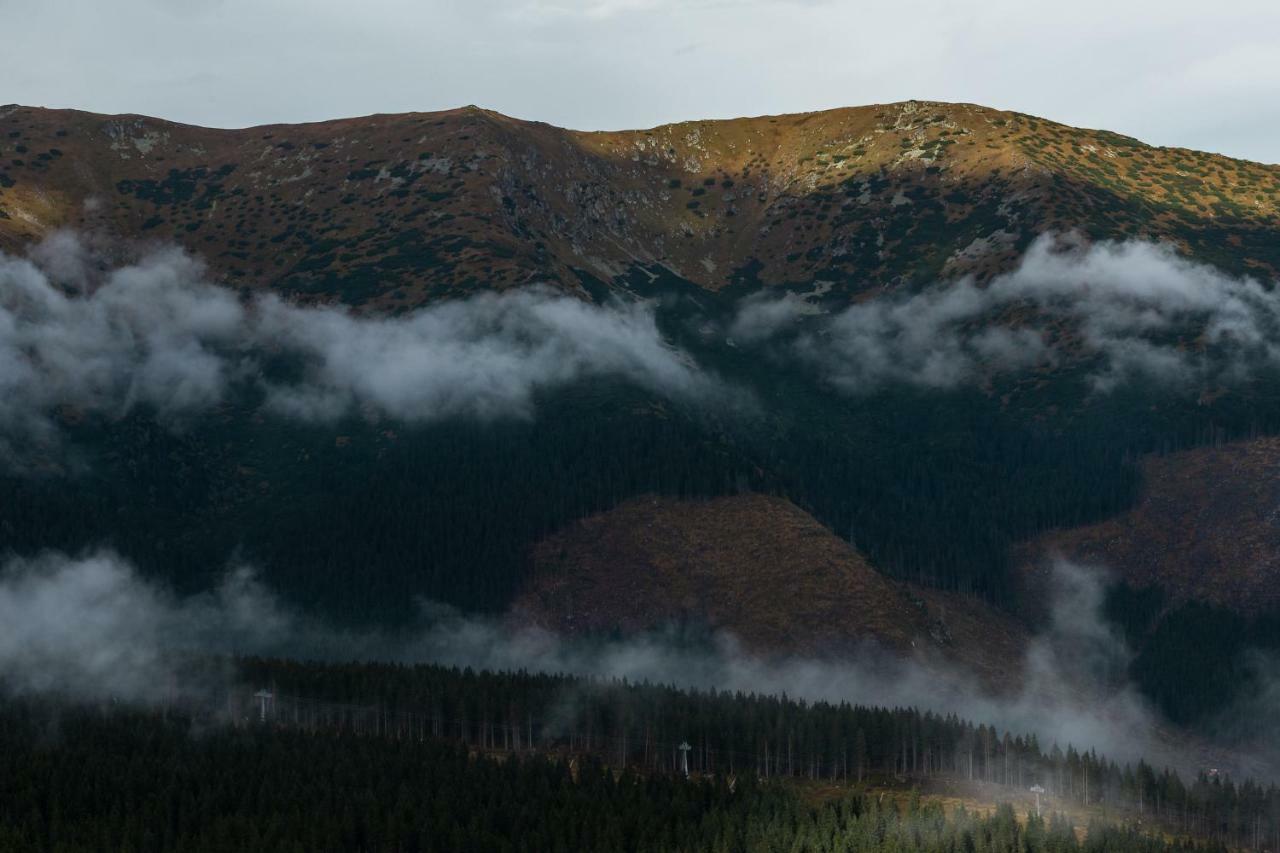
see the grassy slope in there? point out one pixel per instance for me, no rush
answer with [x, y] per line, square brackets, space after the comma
[392, 210]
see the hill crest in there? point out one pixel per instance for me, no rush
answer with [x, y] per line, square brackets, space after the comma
[394, 210]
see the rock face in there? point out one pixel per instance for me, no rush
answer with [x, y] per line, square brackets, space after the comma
[392, 210]
[758, 567]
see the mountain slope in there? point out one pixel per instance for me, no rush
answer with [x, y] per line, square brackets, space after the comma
[1194, 582]
[395, 211]
[391, 212]
[398, 209]
[758, 567]
[1204, 529]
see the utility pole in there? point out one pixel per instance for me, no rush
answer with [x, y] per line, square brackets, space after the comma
[263, 697]
[684, 757]
[1037, 790]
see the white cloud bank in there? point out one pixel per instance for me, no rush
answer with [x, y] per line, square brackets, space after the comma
[79, 335]
[1139, 310]
[91, 628]
[156, 333]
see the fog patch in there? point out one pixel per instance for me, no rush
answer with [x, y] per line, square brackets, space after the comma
[1070, 684]
[485, 357]
[91, 628]
[1130, 310]
[148, 334]
[83, 334]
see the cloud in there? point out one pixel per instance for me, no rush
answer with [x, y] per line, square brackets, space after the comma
[1068, 689]
[91, 628]
[78, 332]
[485, 357]
[83, 333]
[1132, 310]
[1070, 686]
[760, 316]
[148, 334]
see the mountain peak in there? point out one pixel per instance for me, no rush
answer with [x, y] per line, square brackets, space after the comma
[392, 210]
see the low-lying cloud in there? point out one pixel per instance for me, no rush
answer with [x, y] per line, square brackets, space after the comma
[151, 333]
[1068, 688]
[82, 334]
[1132, 310]
[91, 628]
[484, 357]
[79, 334]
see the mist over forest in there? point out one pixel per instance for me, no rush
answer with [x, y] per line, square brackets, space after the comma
[889, 477]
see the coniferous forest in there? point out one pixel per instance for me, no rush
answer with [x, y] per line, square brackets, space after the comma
[379, 757]
[129, 782]
[932, 486]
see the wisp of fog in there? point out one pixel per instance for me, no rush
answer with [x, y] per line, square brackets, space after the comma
[156, 332]
[91, 628]
[81, 333]
[1135, 310]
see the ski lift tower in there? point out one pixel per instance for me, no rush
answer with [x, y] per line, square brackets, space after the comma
[263, 697]
[684, 757]
[1037, 790]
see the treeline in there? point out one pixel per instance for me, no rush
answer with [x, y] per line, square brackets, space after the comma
[91, 781]
[1197, 661]
[642, 726]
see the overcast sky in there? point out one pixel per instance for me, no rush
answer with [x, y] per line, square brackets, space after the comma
[1203, 75]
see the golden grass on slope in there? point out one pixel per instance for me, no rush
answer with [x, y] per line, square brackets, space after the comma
[393, 210]
[983, 798]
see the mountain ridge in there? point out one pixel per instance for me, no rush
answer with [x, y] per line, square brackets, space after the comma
[393, 210]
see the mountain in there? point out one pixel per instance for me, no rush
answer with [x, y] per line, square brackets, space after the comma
[395, 210]
[933, 393]
[1194, 574]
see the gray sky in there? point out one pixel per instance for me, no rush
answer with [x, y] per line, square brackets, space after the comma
[1201, 75]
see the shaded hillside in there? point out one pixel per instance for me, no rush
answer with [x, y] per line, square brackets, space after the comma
[758, 567]
[359, 520]
[1196, 591]
[398, 209]
[1205, 528]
